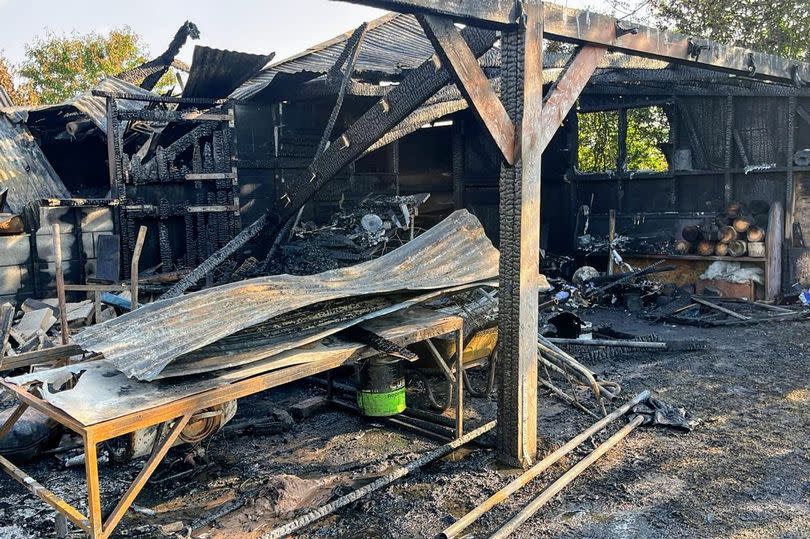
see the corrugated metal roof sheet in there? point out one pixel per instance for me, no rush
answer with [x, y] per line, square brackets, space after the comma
[24, 170]
[95, 108]
[141, 343]
[215, 73]
[393, 43]
[5, 99]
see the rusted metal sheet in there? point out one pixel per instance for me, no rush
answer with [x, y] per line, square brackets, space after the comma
[24, 169]
[141, 343]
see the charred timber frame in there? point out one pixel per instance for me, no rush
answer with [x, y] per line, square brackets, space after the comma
[524, 24]
[588, 28]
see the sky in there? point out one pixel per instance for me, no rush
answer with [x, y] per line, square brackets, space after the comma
[257, 26]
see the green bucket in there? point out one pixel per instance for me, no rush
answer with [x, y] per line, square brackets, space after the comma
[381, 386]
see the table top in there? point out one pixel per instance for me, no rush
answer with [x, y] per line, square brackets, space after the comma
[103, 394]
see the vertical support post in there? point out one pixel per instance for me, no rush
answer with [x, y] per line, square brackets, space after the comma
[93, 486]
[60, 525]
[522, 91]
[60, 282]
[457, 150]
[790, 188]
[611, 239]
[460, 382]
[728, 180]
[136, 258]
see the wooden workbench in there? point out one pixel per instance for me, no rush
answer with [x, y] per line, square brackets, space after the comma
[174, 404]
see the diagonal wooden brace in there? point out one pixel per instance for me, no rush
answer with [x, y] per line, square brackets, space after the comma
[457, 57]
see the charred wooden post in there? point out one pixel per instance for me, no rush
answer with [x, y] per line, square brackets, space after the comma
[522, 84]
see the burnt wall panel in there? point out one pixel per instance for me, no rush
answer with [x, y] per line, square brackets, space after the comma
[644, 195]
[700, 194]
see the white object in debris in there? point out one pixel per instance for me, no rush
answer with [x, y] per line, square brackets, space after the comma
[733, 272]
[32, 322]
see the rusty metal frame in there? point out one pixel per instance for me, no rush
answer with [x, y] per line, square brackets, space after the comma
[178, 413]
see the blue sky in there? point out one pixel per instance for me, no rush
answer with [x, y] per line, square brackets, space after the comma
[259, 26]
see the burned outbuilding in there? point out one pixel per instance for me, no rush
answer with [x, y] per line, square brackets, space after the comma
[379, 170]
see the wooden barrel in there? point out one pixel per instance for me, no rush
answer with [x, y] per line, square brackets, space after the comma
[727, 234]
[705, 248]
[737, 248]
[755, 234]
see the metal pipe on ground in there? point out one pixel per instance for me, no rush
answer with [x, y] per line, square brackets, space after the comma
[383, 481]
[527, 512]
[464, 522]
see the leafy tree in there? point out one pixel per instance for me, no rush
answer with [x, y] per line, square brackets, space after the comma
[647, 129]
[598, 141]
[20, 94]
[779, 27]
[58, 67]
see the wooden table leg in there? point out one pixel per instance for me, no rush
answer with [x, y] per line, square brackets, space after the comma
[147, 471]
[459, 383]
[13, 418]
[93, 487]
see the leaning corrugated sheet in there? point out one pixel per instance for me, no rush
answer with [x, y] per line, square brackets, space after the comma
[143, 342]
[24, 169]
[216, 73]
[393, 43]
[95, 108]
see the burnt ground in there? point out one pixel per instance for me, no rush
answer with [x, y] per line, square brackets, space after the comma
[744, 471]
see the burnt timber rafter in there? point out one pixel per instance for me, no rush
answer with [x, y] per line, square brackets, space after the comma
[566, 90]
[471, 80]
[586, 27]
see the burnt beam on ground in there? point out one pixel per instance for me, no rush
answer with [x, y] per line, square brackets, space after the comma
[586, 27]
[471, 80]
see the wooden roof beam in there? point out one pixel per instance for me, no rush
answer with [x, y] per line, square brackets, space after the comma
[586, 27]
[456, 55]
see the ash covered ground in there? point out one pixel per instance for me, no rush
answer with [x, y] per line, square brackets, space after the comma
[743, 472]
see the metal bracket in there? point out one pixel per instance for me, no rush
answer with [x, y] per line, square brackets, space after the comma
[620, 32]
[796, 77]
[694, 50]
[752, 66]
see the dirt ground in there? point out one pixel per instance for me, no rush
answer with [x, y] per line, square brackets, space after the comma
[743, 472]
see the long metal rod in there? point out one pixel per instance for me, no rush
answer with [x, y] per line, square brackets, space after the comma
[608, 342]
[527, 512]
[464, 522]
[387, 479]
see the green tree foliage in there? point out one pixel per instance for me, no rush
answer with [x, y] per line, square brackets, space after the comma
[20, 94]
[598, 141]
[647, 129]
[779, 27]
[58, 67]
